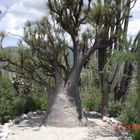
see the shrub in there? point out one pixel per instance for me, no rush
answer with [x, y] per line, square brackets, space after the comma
[11, 105]
[128, 114]
[33, 103]
[114, 108]
[91, 100]
[7, 104]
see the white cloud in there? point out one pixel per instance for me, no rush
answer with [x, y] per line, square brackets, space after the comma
[20, 12]
[134, 27]
[136, 7]
[2, 8]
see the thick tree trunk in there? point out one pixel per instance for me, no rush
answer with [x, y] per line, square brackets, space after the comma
[63, 112]
[65, 109]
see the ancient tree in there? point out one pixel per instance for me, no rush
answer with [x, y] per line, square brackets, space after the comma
[58, 51]
[58, 48]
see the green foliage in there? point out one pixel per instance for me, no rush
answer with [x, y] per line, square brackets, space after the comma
[136, 135]
[34, 102]
[128, 114]
[114, 108]
[120, 57]
[91, 100]
[7, 100]
[12, 105]
[35, 98]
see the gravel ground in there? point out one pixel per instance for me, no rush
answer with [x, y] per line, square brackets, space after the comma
[50, 133]
[96, 129]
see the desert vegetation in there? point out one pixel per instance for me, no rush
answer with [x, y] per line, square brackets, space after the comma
[77, 58]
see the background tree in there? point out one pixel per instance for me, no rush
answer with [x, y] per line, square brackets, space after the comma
[113, 30]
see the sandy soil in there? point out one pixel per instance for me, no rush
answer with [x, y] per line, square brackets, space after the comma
[50, 133]
[96, 129]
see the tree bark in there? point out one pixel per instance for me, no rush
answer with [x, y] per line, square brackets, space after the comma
[104, 99]
[63, 112]
[65, 109]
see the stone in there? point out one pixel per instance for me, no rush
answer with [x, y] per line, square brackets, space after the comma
[6, 126]
[1, 127]
[92, 114]
[17, 120]
[84, 121]
[44, 112]
[105, 119]
[39, 112]
[24, 117]
[113, 120]
[34, 113]
[10, 122]
[30, 114]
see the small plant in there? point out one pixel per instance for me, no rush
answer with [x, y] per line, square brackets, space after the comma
[128, 114]
[114, 109]
[91, 100]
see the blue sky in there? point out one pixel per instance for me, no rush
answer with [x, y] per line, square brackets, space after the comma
[16, 12]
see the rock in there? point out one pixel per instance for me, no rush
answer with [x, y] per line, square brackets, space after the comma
[84, 121]
[125, 138]
[109, 121]
[39, 112]
[125, 134]
[92, 114]
[113, 121]
[1, 127]
[44, 112]
[6, 126]
[34, 113]
[105, 119]
[10, 122]
[17, 120]
[24, 117]
[30, 114]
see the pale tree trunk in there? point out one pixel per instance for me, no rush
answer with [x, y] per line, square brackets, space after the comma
[65, 109]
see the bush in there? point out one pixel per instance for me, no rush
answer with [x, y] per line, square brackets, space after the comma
[34, 103]
[35, 99]
[11, 105]
[128, 114]
[114, 108]
[91, 100]
[7, 100]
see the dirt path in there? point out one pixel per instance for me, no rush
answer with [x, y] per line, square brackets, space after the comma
[99, 130]
[96, 129]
